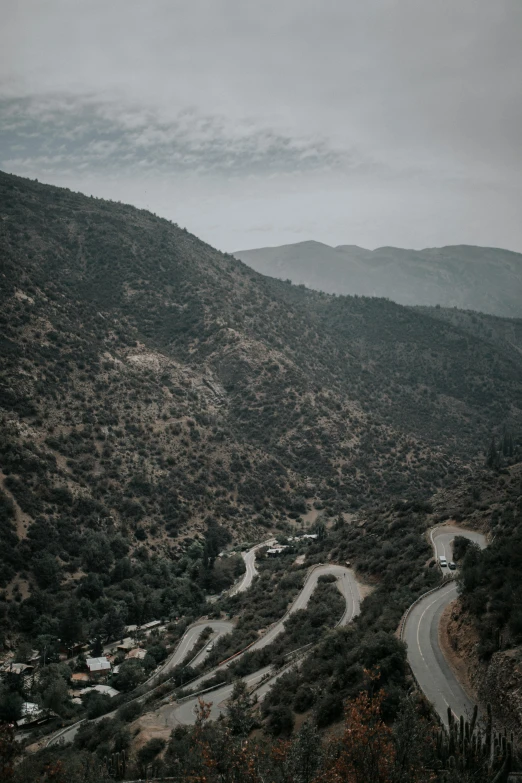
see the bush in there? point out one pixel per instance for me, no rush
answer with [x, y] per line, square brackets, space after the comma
[460, 547]
[150, 750]
[327, 578]
[280, 720]
[129, 712]
[329, 709]
[130, 675]
[304, 699]
[97, 704]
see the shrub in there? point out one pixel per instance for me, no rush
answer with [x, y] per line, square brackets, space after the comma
[150, 750]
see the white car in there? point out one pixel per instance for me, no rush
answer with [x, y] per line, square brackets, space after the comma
[443, 562]
[210, 646]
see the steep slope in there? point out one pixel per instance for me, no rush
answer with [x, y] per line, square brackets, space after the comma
[476, 278]
[150, 383]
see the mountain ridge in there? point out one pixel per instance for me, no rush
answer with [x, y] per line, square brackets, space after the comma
[152, 383]
[468, 277]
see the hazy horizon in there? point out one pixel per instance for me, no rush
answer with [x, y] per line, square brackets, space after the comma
[378, 124]
[370, 249]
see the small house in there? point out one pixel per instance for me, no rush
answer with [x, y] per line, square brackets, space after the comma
[147, 627]
[32, 714]
[125, 645]
[106, 690]
[98, 667]
[275, 551]
[19, 669]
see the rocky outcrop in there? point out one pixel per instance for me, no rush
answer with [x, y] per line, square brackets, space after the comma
[501, 686]
[497, 681]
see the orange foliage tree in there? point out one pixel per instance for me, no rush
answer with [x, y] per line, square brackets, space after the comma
[366, 751]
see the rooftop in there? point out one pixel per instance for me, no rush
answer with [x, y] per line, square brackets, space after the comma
[98, 664]
[105, 689]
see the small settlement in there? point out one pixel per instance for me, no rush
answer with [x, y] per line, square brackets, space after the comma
[88, 674]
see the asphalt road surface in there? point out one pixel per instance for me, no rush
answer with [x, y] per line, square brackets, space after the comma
[250, 564]
[421, 634]
[442, 540]
[173, 715]
[184, 713]
[347, 585]
[220, 628]
[190, 640]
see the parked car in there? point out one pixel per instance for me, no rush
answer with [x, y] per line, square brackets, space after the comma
[452, 565]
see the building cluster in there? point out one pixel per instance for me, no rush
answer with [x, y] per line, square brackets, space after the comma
[93, 679]
[277, 550]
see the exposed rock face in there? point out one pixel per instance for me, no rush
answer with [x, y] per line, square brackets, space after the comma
[501, 685]
[497, 681]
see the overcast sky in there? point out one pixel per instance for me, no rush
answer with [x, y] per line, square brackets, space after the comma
[261, 122]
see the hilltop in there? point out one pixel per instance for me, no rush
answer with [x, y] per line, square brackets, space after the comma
[470, 278]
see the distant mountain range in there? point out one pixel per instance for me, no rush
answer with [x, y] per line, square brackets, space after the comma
[471, 278]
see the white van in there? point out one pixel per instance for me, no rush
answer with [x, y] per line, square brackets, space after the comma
[443, 562]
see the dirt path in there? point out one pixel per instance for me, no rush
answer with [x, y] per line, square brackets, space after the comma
[22, 520]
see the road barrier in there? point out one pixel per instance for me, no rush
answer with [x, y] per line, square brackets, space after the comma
[400, 629]
[57, 736]
[205, 690]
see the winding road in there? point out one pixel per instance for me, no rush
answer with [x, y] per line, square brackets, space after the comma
[185, 712]
[421, 633]
[219, 627]
[189, 642]
[250, 565]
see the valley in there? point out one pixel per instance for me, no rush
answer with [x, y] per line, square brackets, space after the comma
[164, 408]
[419, 629]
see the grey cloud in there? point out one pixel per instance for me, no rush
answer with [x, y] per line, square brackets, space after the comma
[75, 133]
[393, 120]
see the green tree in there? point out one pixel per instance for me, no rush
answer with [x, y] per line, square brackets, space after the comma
[47, 572]
[304, 756]
[10, 705]
[71, 625]
[280, 720]
[493, 455]
[149, 751]
[238, 710]
[130, 675]
[56, 697]
[114, 623]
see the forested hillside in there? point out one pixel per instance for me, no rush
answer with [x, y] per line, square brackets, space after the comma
[153, 389]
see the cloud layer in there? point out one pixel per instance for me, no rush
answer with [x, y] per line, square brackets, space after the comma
[384, 122]
[73, 133]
